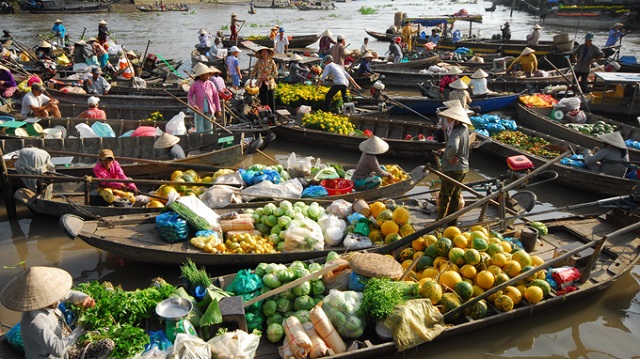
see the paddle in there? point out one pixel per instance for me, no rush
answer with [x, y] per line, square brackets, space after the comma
[194, 166]
[198, 111]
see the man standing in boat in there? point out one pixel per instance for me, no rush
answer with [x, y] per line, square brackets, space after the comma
[103, 33]
[534, 37]
[615, 36]
[59, 32]
[585, 55]
[234, 27]
[506, 31]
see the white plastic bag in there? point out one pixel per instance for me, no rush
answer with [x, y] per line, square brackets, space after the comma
[569, 103]
[221, 196]
[340, 208]
[190, 347]
[303, 235]
[332, 229]
[176, 125]
[199, 207]
[356, 241]
[85, 131]
[298, 167]
[233, 345]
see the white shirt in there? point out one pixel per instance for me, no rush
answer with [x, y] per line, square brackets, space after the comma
[336, 73]
[479, 86]
[280, 43]
[30, 100]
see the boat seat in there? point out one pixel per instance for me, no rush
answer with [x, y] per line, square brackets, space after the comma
[349, 108]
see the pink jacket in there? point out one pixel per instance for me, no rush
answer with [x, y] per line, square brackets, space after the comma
[201, 90]
[114, 172]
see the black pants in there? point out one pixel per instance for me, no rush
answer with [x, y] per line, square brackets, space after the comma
[326, 106]
[583, 80]
[267, 97]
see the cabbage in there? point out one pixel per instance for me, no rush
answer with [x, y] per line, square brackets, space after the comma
[285, 175]
[317, 287]
[275, 332]
[317, 300]
[261, 269]
[304, 302]
[299, 204]
[286, 205]
[280, 246]
[300, 272]
[269, 308]
[314, 267]
[248, 211]
[271, 220]
[269, 208]
[302, 289]
[279, 212]
[299, 216]
[275, 229]
[263, 228]
[274, 239]
[302, 315]
[285, 275]
[271, 268]
[284, 221]
[297, 264]
[284, 305]
[255, 217]
[259, 211]
[314, 212]
[276, 318]
[290, 212]
[256, 167]
[332, 255]
[271, 280]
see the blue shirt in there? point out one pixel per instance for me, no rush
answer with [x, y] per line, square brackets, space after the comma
[232, 64]
[614, 36]
[59, 30]
[435, 38]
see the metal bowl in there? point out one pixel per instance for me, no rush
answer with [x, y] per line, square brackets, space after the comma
[174, 308]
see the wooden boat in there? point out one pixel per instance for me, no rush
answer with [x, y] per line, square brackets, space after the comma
[615, 93]
[540, 119]
[64, 7]
[135, 236]
[393, 131]
[492, 8]
[266, 4]
[506, 47]
[158, 102]
[217, 62]
[419, 64]
[151, 8]
[590, 19]
[570, 176]
[324, 5]
[295, 41]
[425, 105]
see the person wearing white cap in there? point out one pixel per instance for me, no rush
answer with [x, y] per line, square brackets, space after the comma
[103, 33]
[234, 27]
[36, 293]
[44, 51]
[534, 36]
[341, 79]
[204, 41]
[454, 160]
[339, 52]
[368, 173]
[93, 111]
[445, 127]
[612, 159]
[281, 43]
[203, 96]
[459, 92]
[478, 83]
[325, 43]
[169, 143]
[585, 55]
[450, 77]
[233, 66]
[528, 62]
[59, 32]
[298, 73]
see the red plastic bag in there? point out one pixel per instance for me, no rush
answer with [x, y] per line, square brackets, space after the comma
[565, 274]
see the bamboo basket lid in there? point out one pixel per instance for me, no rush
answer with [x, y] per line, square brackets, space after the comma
[376, 265]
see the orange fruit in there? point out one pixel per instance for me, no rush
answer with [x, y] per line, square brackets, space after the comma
[418, 244]
[400, 215]
[499, 260]
[536, 261]
[430, 272]
[431, 290]
[451, 232]
[430, 239]
[376, 208]
[514, 293]
[391, 237]
[384, 216]
[468, 271]
[485, 279]
[503, 303]
[506, 246]
[533, 294]
[522, 257]
[460, 241]
[472, 256]
[512, 268]
[464, 290]
[449, 279]
[456, 256]
[389, 227]
[406, 229]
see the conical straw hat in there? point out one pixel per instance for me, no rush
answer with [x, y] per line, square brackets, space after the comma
[458, 85]
[454, 70]
[327, 33]
[537, 27]
[374, 145]
[479, 74]
[166, 140]
[452, 103]
[295, 57]
[44, 44]
[456, 113]
[36, 288]
[614, 139]
[527, 51]
[202, 31]
[201, 69]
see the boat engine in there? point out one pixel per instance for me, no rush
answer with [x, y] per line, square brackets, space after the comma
[519, 166]
[265, 115]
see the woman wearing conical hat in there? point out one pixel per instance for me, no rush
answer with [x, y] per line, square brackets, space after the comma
[534, 36]
[203, 96]
[298, 73]
[455, 159]
[368, 173]
[45, 334]
[326, 41]
[459, 92]
[612, 159]
[451, 76]
[169, 144]
[527, 61]
[478, 83]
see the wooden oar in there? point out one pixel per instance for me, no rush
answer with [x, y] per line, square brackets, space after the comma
[169, 163]
[198, 112]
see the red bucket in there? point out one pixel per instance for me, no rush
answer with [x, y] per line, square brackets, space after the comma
[225, 94]
[337, 186]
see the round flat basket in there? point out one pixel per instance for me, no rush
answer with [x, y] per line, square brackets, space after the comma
[526, 199]
[376, 265]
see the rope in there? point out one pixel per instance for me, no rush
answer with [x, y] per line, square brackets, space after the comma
[169, 65]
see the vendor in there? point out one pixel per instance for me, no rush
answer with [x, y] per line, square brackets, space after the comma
[169, 144]
[478, 83]
[613, 159]
[108, 167]
[37, 293]
[459, 92]
[364, 69]
[33, 161]
[368, 173]
[527, 60]
[36, 103]
[93, 112]
[447, 80]
[8, 85]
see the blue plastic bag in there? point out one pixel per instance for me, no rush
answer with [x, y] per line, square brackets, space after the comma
[14, 338]
[158, 340]
[314, 191]
[172, 228]
[245, 282]
[357, 282]
[103, 129]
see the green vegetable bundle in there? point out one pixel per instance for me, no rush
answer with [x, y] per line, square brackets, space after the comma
[382, 294]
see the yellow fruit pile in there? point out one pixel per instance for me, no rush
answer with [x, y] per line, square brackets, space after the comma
[389, 226]
[184, 190]
[327, 121]
[466, 264]
[242, 243]
[398, 174]
[295, 95]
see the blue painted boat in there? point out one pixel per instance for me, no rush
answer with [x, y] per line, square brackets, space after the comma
[425, 105]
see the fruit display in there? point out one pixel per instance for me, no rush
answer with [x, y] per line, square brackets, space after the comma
[534, 145]
[593, 129]
[388, 224]
[327, 121]
[295, 95]
[398, 174]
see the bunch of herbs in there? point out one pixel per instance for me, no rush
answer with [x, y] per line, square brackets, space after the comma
[193, 276]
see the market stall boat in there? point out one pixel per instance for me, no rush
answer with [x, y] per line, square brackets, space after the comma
[615, 93]
[540, 119]
[592, 17]
[159, 102]
[317, 5]
[295, 41]
[64, 7]
[569, 176]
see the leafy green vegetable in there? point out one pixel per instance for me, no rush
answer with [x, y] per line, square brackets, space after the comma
[380, 295]
[194, 276]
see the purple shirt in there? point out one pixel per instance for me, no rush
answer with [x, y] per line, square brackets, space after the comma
[8, 79]
[201, 91]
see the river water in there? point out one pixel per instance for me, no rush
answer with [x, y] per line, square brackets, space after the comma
[606, 325]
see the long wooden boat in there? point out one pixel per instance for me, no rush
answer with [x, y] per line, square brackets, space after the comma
[590, 19]
[158, 102]
[64, 7]
[295, 41]
[393, 131]
[507, 47]
[154, 9]
[615, 93]
[540, 119]
[425, 105]
[570, 176]
[328, 5]
[419, 64]
[217, 62]
[266, 4]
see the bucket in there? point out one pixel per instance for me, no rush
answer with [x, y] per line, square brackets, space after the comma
[337, 186]
[529, 237]
[62, 129]
[561, 38]
[34, 129]
[564, 46]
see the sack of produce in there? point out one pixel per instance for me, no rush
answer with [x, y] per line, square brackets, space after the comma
[339, 277]
[303, 235]
[172, 227]
[197, 214]
[326, 331]
[298, 167]
[236, 344]
[415, 322]
[332, 229]
[190, 347]
[343, 309]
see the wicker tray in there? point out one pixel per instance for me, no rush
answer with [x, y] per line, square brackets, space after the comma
[376, 265]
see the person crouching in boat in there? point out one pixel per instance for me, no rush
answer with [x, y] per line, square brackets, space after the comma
[34, 161]
[478, 84]
[36, 103]
[368, 173]
[612, 159]
[447, 80]
[203, 97]
[108, 167]
[93, 111]
[8, 85]
[527, 60]
[455, 159]
[36, 293]
[459, 92]
[169, 144]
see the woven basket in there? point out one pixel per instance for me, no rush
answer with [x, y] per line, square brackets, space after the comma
[376, 265]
